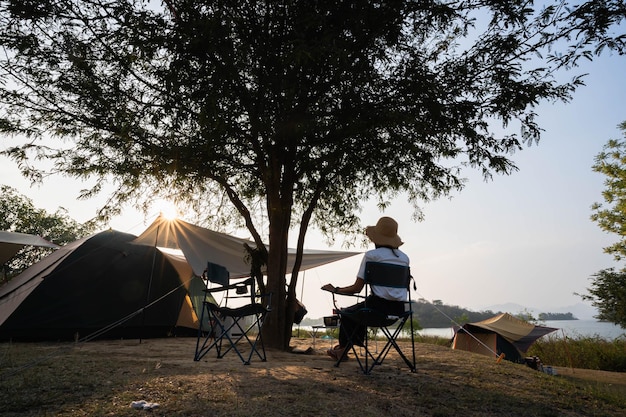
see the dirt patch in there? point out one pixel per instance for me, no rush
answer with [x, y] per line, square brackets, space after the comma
[105, 377]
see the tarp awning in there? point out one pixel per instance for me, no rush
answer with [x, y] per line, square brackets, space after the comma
[520, 333]
[12, 242]
[200, 245]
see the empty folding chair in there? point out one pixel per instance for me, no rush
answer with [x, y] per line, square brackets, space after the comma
[231, 328]
[368, 316]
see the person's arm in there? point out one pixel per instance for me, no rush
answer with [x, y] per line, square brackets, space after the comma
[351, 289]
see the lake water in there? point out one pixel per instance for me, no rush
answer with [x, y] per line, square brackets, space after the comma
[569, 328]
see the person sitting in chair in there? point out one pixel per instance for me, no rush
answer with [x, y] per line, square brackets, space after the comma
[388, 300]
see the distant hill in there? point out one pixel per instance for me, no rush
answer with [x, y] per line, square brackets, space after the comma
[580, 310]
[440, 315]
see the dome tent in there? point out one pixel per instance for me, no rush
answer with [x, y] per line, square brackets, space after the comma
[100, 282]
[500, 334]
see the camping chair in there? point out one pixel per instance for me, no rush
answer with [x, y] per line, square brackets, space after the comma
[222, 327]
[385, 275]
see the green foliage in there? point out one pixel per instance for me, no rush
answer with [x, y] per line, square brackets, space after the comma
[18, 214]
[526, 316]
[555, 316]
[611, 163]
[608, 294]
[414, 324]
[433, 340]
[291, 112]
[462, 319]
[586, 352]
[608, 287]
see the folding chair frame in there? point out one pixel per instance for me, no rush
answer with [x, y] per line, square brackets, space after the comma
[225, 334]
[381, 274]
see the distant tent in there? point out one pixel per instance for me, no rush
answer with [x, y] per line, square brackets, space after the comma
[12, 242]
[500, 334]
[97, 283]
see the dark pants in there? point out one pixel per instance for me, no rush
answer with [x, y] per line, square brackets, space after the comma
[358, 331]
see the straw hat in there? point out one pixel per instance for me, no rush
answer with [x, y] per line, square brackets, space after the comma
[385, 233]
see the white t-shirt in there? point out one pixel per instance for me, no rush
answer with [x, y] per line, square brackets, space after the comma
[389, 256]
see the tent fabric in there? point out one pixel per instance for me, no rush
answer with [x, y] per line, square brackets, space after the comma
[483, 343]
[502, 333]
[149, 284]
[12, 242]
[201, 246]
[90, 284]
[17, 290]
[520, 333]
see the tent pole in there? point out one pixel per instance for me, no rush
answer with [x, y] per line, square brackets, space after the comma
[143, 313]
[302, 295]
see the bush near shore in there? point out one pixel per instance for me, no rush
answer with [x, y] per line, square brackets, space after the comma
[583, 352]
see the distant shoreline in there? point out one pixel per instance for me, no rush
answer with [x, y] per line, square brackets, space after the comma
[320, 322]
[563, 319]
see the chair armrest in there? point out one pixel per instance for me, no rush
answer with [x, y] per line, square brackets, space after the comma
[231, 286]
[343, 295]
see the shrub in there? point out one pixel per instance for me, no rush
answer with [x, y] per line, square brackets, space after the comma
[585, 352]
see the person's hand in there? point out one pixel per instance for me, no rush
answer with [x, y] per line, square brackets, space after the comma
[329, 287]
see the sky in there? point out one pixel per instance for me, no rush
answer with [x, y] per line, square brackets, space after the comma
[526, 238]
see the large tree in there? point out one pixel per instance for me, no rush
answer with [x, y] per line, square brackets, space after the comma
[608, 286]
[294, 112]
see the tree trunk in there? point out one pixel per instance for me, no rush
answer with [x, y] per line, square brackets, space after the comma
[277, 328]
[279, 183]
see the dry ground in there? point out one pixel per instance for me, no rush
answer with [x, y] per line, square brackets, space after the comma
[104, 377]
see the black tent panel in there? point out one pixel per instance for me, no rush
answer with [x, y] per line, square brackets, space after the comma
[105, 282]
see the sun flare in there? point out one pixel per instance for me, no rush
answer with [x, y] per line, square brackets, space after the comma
[167, 209]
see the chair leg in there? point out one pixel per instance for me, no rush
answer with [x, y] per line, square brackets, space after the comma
[205, 346]
[378, 359]
[253, 344]
[363, 363]
[369, 359]
[220, 331]
[212, 340]
[392, 342]
[197, 356]
[257, 342]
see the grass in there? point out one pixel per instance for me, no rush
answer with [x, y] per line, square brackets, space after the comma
[103, 378]
[583, 352]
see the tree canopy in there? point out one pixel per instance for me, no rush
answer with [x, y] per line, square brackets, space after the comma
[289, 113]
[608, 294]
[608, 286]
[18, 214]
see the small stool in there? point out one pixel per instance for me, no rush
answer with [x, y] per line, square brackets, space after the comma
[316, 328]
